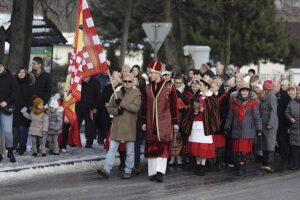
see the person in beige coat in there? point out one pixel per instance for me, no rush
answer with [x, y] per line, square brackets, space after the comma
[38, 126]
[124, 109]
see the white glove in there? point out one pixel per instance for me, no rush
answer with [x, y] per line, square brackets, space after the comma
[24, 110]
[144, 127]
[176, 128]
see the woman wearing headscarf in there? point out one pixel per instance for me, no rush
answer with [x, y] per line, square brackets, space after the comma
[268, 113]
[244, 121]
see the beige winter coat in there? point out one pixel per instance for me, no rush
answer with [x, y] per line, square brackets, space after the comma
[39, 123]
[124, 125]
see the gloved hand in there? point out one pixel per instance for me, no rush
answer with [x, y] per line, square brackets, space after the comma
[118, 101]
[258, 133]
[120, 111]
[24, 109]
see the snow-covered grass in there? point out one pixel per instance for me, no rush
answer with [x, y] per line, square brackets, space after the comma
[39, 173]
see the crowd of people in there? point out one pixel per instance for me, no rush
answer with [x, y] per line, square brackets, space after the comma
[205, 119]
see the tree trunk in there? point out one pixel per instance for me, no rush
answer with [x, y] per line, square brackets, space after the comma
[125, 32]
[2, 43]
[20, 34]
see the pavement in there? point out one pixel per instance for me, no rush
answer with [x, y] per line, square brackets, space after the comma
[178, 184]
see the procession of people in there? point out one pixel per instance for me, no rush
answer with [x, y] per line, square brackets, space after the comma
[210, 118]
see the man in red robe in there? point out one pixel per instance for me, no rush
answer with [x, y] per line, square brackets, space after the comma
[160, 118]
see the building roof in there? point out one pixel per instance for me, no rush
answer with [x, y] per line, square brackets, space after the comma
[44, 31]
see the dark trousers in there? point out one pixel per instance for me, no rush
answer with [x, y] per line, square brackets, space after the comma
[65, 135]
[295, 156]
[268, 157]
[90, 126]
[137, 152]
[22, 135]
[284, 144]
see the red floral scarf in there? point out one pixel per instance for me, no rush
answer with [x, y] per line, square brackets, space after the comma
[240, 108]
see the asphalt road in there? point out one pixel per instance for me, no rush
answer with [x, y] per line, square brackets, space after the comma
[178, 184]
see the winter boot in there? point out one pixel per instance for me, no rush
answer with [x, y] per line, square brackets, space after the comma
[242, 170]
[202, 170]
[1, 158]
[218, 164]
[197, 170]
[10, 155]
[159, 177]
[21, 150]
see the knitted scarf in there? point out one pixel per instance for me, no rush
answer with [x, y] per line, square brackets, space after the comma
[37, 111]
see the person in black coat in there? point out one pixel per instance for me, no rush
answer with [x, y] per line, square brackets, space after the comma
[25, 82]
[283, 100]
[42, 85]
[8, 95]
[86, 108]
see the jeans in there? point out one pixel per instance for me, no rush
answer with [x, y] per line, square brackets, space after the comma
[111, 154]
[6, 124]
[22, 135]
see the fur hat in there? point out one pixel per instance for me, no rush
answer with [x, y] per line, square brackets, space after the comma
[155, 66]
[244, 85]
[230, 82]
[284, 83]
[268, 85]
[37, 101]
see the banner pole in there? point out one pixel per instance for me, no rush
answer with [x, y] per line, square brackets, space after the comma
[114, 89]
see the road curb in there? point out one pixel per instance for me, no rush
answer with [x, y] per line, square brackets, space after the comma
[55, 164]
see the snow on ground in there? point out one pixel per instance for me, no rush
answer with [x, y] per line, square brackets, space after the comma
[72, 155]
[39, 173]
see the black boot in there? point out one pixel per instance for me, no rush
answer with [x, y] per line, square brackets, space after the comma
[218, 165]
[202, 170]
[197, 170]
[1, 158]
[159, 177]
[242, 170]
[21, 150]
[10, 155]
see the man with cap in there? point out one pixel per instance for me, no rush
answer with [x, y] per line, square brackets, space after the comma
[160, 118]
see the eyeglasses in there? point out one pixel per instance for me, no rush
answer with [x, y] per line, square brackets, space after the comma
[165, 75]
[178, 82]
[126, 81]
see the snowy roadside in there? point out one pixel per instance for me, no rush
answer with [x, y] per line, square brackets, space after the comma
[39, 173]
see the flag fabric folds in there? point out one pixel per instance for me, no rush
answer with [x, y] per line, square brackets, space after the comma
[87, 59]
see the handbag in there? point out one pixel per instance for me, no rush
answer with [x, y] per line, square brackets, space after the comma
[175, 146]
[8, 110]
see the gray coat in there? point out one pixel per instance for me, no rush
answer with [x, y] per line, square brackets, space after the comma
[268, 113]
[293, 111]
[249, 124]
[55, 122]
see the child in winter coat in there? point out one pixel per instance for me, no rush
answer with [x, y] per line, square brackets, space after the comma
[55, 126]
[39, 124]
